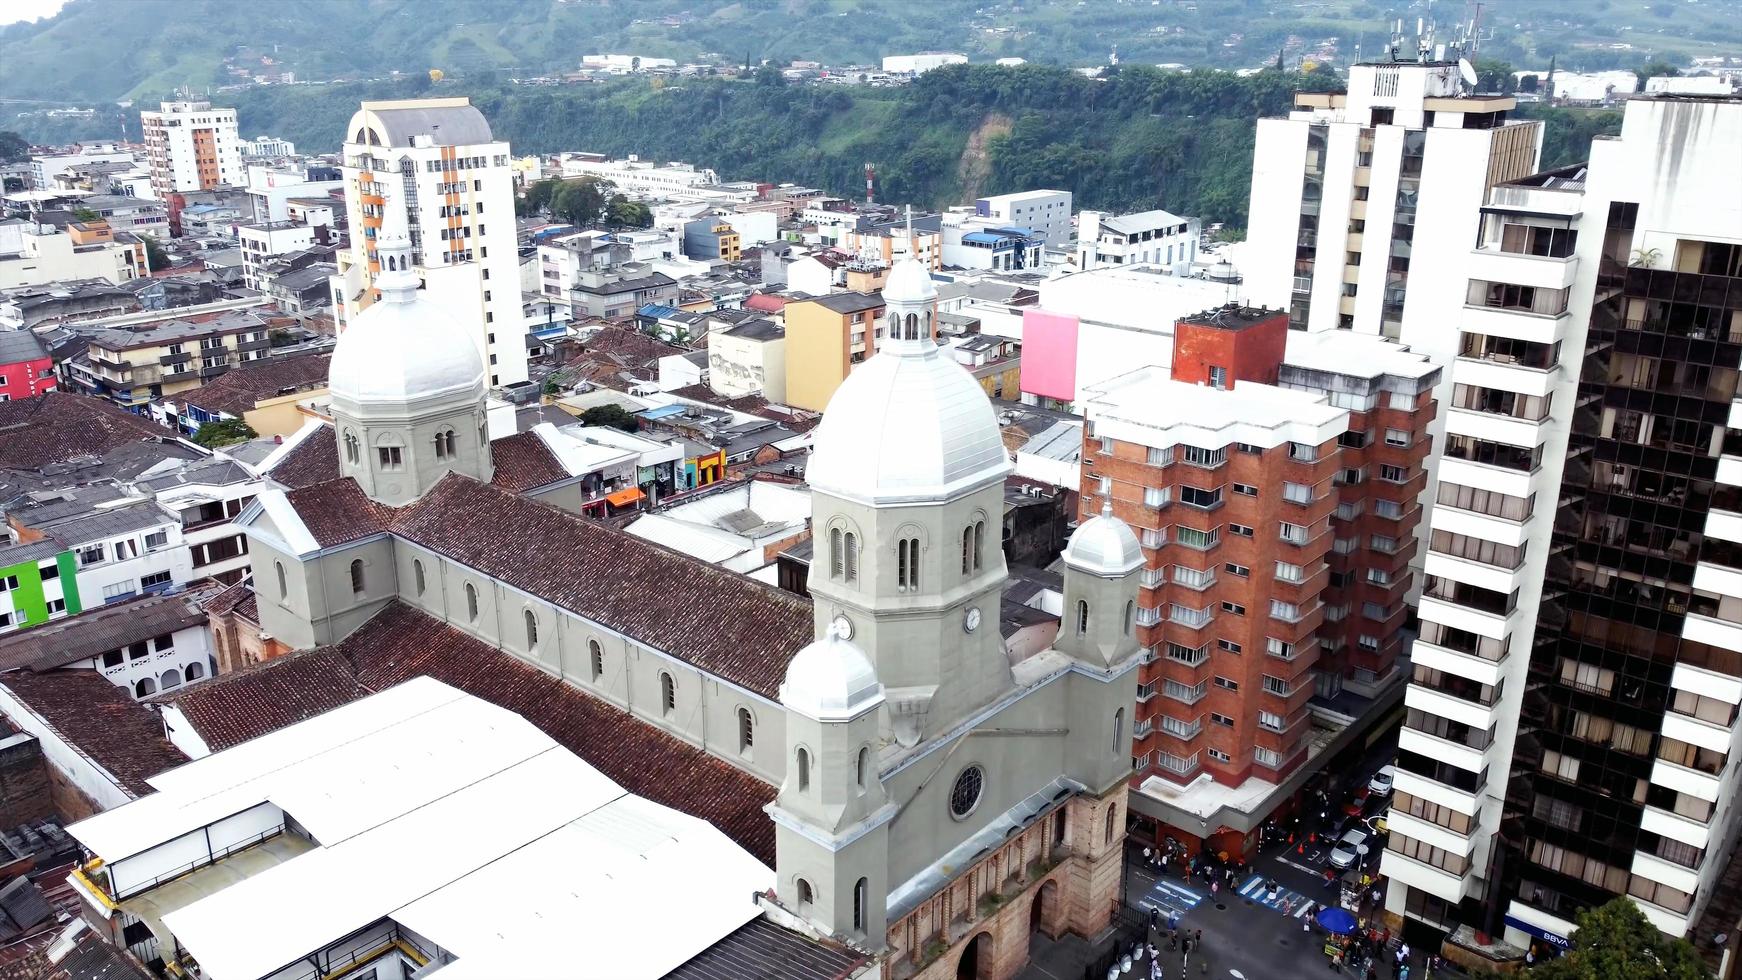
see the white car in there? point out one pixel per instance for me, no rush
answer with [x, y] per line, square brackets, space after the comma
[1347, 853]
[1380, 784]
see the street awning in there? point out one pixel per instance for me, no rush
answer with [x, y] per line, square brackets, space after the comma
[624, 498]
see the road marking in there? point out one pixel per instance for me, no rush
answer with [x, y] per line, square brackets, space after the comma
[1301, 867]
[1285, 900]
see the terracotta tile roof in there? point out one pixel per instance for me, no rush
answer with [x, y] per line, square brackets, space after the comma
[614, 349]
[267, 696]
[226, 601]
[313, 460]
[796, 420]
[761, 950]
[237, 390]
[726, 624]
[401, 643]
[59, 425]
[100, 720]
[337, 511]
[524, 462]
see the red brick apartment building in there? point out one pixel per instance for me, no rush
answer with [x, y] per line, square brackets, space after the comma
[1273, 477]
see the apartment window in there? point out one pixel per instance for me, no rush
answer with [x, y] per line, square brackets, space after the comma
[1352, 440]
[1292, 533]
[1350, 476]
[1290, 573]
[1233, 607]
[1161, 457]
[1276, 685]
[1397, 437]
[1302, 452]
[1205, 499]
[153, 580]
[156, 540]
[1388, 509]
[1156, 496]
[1393, 474]
[1240, 530]
[92, 555]
[1270, 720]
[1104, 486]
[1218, 377]
[1589, 677]
[1205, 457]
[1191, 537]
[1227, 683]
[1249, 448]
[1191, 656]
[1106, 446]
[1228, 645]
[1220, 756]
[1240, 570]
[1221, 719]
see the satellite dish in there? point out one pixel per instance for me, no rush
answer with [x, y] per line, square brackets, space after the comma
[1467, 71]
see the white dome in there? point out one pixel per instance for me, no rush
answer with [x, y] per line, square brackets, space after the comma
[831, 680]
[909, 282]
[396, 352]
[1105, 546]
[907, 427]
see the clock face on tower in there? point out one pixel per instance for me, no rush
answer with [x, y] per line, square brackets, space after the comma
[971, 620]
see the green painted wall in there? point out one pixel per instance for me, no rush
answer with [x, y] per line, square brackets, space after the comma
[28, 597]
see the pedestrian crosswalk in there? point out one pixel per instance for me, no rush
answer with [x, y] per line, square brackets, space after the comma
[1285, 900]
[1171, 899]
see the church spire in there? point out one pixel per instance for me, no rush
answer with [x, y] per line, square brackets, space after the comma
[396, 280]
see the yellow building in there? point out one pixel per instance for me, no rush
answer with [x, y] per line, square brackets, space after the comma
[138, 358]
[825, 337]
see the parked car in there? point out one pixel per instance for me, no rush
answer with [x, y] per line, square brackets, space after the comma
[1347, 853]
[1381, 782]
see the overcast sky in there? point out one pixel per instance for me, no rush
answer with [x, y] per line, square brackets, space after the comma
[16, 10]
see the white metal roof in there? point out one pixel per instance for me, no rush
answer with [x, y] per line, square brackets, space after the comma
[708, 544]
[1149, 408]
[1358, 355]
[456, 818]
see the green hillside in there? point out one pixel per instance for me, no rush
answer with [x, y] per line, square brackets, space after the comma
[1141, 139]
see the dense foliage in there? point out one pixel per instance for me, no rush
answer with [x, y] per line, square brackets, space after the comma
[223, 432]
[1615, 941]
[131, 49]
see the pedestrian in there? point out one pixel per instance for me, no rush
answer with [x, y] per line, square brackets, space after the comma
[1215, 886]
[1172, 940]
[1403, 952]
[1199, 937]
[1185, 945]
[1403, 972]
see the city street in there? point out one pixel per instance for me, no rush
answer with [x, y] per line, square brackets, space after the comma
[1248, 929]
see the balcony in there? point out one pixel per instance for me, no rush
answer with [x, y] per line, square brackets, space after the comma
[1549, 272]
[1191, 618]
[1493, 453]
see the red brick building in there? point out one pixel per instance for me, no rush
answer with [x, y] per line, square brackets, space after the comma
[1272, 477]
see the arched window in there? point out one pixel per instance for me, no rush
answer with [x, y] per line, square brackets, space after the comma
[352, 454]
[912, 327]
[283, 584]
[531, 629]
[1082, 616]
[861, 764]
[451, 440]
[667, 693]
[1112, 821]
[746, 730]
[1058, 828]
[1130, 615]
[907, 564]
[169, 678]
[195, 671]
[967, 549]
[861, 903]
[471, 603]
[803, 761]
[805, 895]
[596, 656]
[357, 584]
[1118, 729]
[144, 688]
[441, 445]
[837, 557]
[417, 574]
[979, 544]
[852, 557]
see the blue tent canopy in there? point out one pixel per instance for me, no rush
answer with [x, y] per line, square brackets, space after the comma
[1338, 921]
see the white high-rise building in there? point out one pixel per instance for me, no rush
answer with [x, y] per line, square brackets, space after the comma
[437, 159]
[1046, 213]
[1351, 192]
[1578, 674]
[191, 146]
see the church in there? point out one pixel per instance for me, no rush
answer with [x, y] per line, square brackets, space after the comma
[933, 798]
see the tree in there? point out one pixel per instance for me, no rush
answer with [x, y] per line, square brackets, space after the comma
[155, 257]
[13, 147]
[223, 432]
[1655, 68]
[580, 202]
[769, 76]
[1493, 75]
[624, 213]
[537, 198]
[615, 416]
[86, 215]
[1617, 942]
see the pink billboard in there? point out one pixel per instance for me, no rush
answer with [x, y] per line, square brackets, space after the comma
[1049, 355]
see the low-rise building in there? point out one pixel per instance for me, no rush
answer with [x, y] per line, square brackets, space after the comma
[825, 337]
[140, 216]
[135, 363]
[122, 544]
[1047, 213]
[268, 394]
[749, 359]
[144, 645]
[973, 242]
[919, 64]
[64, 301]
[711, 239]
[617, 293]
[33, 254]
[1158, 238]
[26, 368]
[264, 241]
